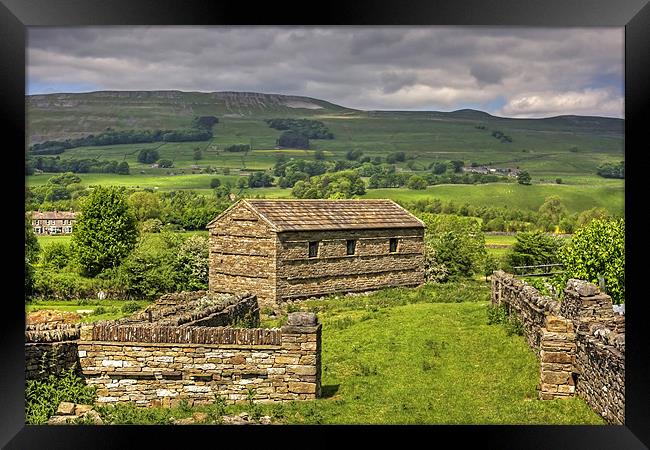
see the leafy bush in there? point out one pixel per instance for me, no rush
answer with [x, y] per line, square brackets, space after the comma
[55, 255]
[597, 252]
[534, 248]
[151, 226]
[498, 314]
[130, 307]
[458, 242]
[192, 264]
[42, 397]
[149, 270]
[65, 285]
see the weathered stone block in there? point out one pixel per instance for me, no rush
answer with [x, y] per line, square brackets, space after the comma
[65, 409]
[556, 357]
[302, 388]
[301, 370]
[555, 377]
[287, 359]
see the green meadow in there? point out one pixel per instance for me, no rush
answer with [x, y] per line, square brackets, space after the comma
[409, 356]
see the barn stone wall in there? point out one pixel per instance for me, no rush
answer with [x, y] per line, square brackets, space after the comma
[580, 341]
[371, 267]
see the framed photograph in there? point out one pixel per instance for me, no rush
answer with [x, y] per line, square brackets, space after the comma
[370, 214]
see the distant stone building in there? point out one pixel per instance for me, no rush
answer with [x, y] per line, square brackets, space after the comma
[53, 222]
[288, 249]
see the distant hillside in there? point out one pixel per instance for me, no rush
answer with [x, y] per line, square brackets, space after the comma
[61, 116]
[58, 116]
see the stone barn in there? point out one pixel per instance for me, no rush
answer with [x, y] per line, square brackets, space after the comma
[288, 249]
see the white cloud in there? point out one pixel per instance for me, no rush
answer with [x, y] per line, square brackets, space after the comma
[549, 103]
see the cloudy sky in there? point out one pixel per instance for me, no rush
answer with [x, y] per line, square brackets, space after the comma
[506, 71]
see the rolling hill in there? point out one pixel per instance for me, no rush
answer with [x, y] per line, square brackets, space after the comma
[569, 148]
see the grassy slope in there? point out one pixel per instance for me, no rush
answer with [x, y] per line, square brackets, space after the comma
[543, 147]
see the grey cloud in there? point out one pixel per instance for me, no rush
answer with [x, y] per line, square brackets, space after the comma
[488, 73]
[394, 81]
[360, 67]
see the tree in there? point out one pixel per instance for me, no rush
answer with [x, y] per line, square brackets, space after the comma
[31, 256]
[64, 179]
[145, 205]
[596, 253]
[416, 182]
[293, 140]
[198, 154]
[260, 179]
[585, 217]
[524, 178]
[552, 210]
[105, 232]
[531, 249]
[353, 155]
[319, 155]
[55, 192]
[457, 165]
[148, 156]
[123, 168]
[345, 184]
[458, 242]
[166, 163]
[439, 168]
[215, 183]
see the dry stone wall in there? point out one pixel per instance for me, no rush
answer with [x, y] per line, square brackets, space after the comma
[50, 349]
[149, 365]
[580, 341]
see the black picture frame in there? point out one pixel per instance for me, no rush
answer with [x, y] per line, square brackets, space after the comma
[634, 15]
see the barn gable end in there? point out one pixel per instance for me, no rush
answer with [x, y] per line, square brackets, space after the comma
[242, 253]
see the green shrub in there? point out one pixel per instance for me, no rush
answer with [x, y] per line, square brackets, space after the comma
[496, 314]
[458, 242]
[55, 255]
[42, 397]
[58, 285]
[532, 249]
[597, 252]
[130, 307]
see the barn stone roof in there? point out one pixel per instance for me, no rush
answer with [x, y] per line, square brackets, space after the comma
[304, 215]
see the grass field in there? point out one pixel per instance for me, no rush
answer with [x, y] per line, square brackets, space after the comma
[415, 356]
[512, 195]
[112, 309]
